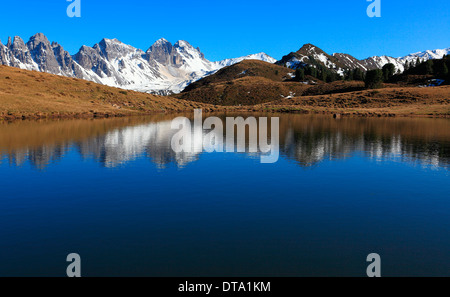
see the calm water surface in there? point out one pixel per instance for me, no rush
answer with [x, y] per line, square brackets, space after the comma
[114, 192]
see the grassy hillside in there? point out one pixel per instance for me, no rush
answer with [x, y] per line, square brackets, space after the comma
[246, 83]
[30, 94]
[255, 82]
[246, 68]
[243, 91]
[394, 101]
[27, 94]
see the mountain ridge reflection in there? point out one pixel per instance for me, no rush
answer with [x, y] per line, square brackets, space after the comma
[305, 139]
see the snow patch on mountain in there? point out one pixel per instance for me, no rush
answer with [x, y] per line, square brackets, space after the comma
[380, 61]
[260, 56]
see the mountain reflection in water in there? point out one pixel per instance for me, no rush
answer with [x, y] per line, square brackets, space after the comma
[113, 191]
[304, 139]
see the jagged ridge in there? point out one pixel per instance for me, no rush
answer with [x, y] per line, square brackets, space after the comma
[163, 69]
[310, 55]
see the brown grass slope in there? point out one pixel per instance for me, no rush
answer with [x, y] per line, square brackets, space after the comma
[243, 91]
[30, 94]
[246, 68]
[254, 82]
[246, 83]
[256, 85]
[399, 101]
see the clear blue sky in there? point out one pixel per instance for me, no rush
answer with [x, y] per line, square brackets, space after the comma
[226, 29]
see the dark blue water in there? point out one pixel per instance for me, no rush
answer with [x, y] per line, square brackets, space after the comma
[115, 193]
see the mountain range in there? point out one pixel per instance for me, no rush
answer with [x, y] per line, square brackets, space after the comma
[165, 68]
[309, 54]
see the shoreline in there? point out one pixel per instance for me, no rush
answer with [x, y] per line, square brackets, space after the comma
[312, 110]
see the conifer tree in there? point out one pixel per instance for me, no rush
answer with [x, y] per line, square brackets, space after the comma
[299, 74]
[374, 79]
[429, 67]
[358, 74]
[406, 66]
[388, 71]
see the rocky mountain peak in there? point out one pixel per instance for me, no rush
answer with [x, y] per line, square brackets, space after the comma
[163, 52]
[307, 46]
[161, 45]
[350, 62]
[38, 37]
[42, 53]
[20, 52]
[18, 44]
[38, 40]
[84, 48]
[187, 50]
[161, 41]
[310, 49]
[113, 48]
[114, 40]
[310, 54]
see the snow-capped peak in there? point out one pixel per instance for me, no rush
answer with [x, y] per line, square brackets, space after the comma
[399, 63]
[429, 54]
[259, 56]
[161, 41]
[182, 44]
[114, 40]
